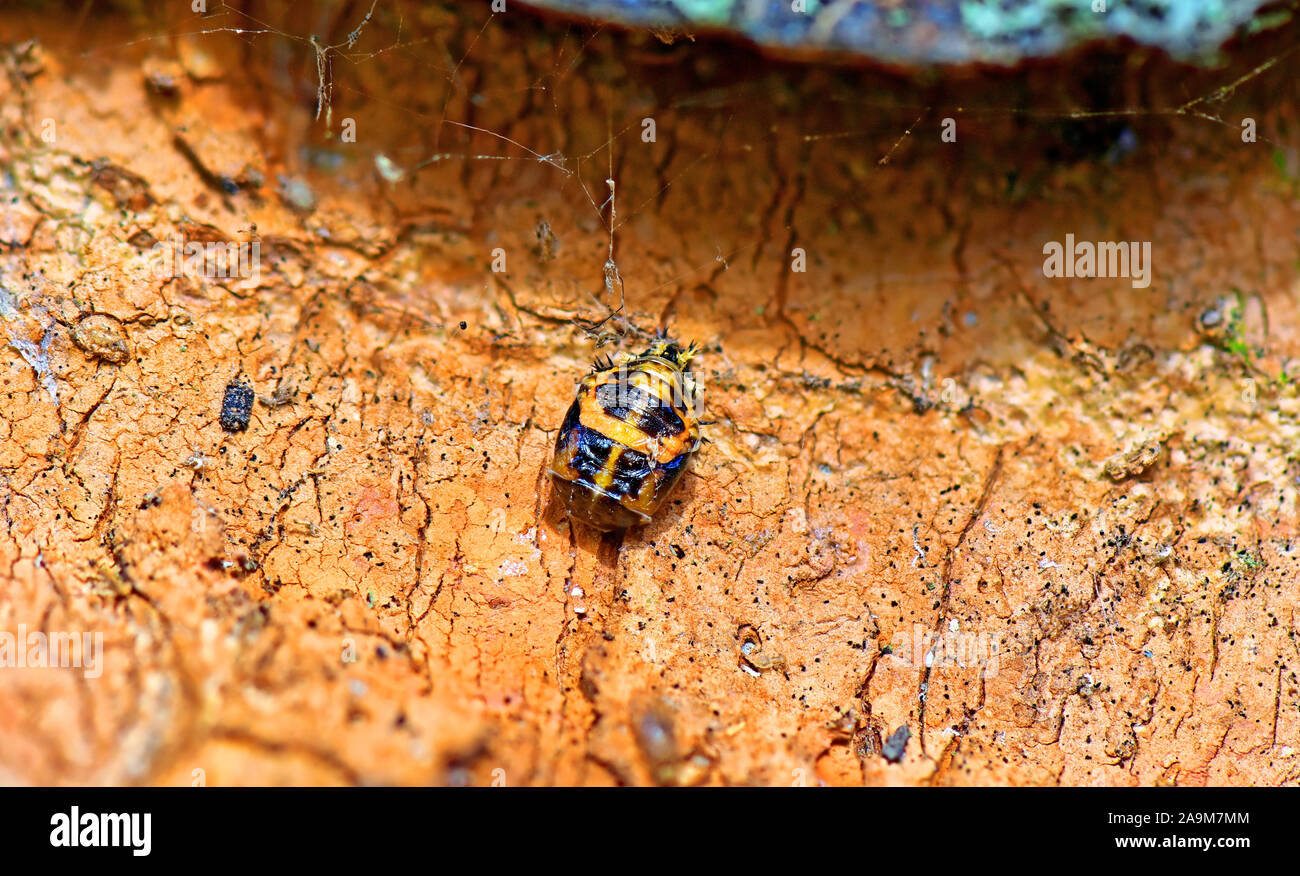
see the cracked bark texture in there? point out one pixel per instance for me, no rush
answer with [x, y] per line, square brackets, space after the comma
[371, 584]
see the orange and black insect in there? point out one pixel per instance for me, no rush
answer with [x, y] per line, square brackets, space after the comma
[628, 437]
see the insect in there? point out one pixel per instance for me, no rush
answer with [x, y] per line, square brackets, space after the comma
[628, 437]
[236, 406]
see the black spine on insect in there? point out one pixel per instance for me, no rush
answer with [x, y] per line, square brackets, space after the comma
[236, 406]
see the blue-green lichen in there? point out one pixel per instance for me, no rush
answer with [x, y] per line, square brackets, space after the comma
[928, 32]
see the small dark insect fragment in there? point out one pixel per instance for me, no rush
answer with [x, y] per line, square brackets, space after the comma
[896, 745]
[282, 396]
[236, 406]
[548, 243]
[162, 84]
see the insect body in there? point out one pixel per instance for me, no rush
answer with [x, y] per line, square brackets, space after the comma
[627, 438]
[236, 406]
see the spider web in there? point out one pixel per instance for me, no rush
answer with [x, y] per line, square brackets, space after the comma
[323, 55]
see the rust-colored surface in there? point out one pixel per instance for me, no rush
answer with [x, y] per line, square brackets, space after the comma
[1084, 491]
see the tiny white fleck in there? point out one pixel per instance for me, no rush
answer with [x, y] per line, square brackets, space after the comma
[513, 567]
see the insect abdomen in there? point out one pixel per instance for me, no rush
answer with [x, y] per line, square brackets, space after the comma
[624, 443]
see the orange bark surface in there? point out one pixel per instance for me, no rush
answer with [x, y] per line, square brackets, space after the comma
[1077, 497]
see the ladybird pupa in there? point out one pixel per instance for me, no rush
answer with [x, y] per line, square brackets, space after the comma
[628, 437]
